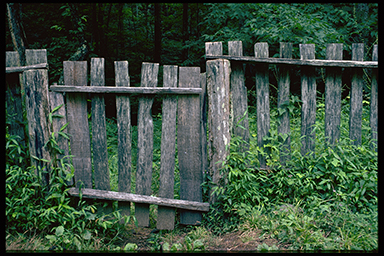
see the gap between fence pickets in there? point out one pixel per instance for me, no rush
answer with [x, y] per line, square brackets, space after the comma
[135, 198]
[125, 90]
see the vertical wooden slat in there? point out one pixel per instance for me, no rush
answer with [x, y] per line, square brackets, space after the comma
[123, 115]
[166, 215]
[99, 133]
[204, 118]
[218, 79]
[308, 98]
[374, 101]
[262, 105]
[14, 99]
[239, 99]
[333, 85]
[284, 81]
[75, 73]
[189, 144]
[356, 100]
[37, 106]
[149, 72]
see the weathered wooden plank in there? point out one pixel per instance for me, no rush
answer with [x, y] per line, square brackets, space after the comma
[204, 119]
[356, 93]
[314, 63]
[308, 98]
[218, 80]
[166, 215]
[149, 72]
[9, 70]
[99, 133]
[284, 81]
[189, 144]
[262, 104]
[126, 90]
[123, 115]
[373, 120]
[239, 99]
[14, 99]
[333, 83]
[75, 72]
[213, 49]
[37, 106]
[56, 99]
[128, 197]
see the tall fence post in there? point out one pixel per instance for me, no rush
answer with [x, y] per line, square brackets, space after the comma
[373, 120]
[356, 100]
[333, 85]
[37, 106]
[75, 73]
[166, 215]
[123, 115]
[149, 73]
[189, 144]
[283, 102]
[204, 117]
[239, 99]
[308, 98]
[262, 104]
[218, 79]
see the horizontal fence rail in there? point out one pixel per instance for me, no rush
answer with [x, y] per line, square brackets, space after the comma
[9, 70]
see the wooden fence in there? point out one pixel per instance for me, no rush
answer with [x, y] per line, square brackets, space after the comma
[227, 93]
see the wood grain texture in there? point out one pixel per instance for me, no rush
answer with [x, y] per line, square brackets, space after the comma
[189, 144]
[126, 90]
[373, 120]
[75, 72]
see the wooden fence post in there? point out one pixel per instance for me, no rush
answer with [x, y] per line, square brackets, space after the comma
[356, 100]
[283, 101]
[218, 79]
[37, 106]
[75, 73]
[166, 215]
[308, 98]
[189, 144]
[374, 101]
[149, 73]
[239, 98]
[204, 106]
[123, 114]
[262, 90]
[333, 85]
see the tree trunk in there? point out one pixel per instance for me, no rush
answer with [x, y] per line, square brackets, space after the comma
[14, 19]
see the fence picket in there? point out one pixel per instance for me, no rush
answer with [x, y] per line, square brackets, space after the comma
[189, 144]
[123, 115]
[308, 98]
[373, 120]
[166, 215]
[75, 72]
[262, 104]
[283, 101]
[356, 99]
[149, 72]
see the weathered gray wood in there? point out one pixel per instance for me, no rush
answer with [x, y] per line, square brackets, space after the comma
[75, 72]
[166, 215]
[213, 49]
[262, 104]
[333, 83]
[34, 57]
[9, 70]
[126, 90]
[204, 118]
[284, 81]
[308, 98]
[56, 99]
[149, 72]
[239, 99]
[189, 144]
[356, 93]
[314, 63]
[14, 99]
[373, 120]
[37, 106]
[99, 133]
[123, 115]
[218, 88]
[128, 197]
